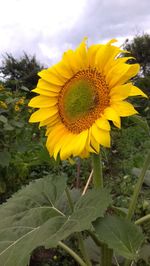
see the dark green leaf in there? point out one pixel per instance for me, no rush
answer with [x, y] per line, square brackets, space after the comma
[34, 217]
[124, 237]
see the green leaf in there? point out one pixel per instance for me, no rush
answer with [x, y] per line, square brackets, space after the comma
[34, 217]
[23, 88]
[3, 119]
[145, 253]
[17, 124]
[5, 158]
[92, 249]
[141, 122]
[124, 237]
[8, 127]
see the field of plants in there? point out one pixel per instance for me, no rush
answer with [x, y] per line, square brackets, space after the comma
[24, 158]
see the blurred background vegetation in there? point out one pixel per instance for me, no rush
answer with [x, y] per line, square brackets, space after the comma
[23, 156]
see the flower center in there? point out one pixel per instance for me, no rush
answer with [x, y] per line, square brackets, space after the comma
[82, 99]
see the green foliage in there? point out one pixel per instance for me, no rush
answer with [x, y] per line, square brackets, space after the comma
[34, 217]
[139, 48]
[122, 236]
[20, 72]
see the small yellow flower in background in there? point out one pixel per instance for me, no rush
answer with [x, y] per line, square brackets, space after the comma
[80, 95]
[21, 101]
[17, 108]
[3, 105]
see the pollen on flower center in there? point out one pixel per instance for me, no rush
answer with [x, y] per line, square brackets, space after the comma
[82, 99]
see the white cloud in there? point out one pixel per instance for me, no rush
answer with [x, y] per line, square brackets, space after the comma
[49, 27]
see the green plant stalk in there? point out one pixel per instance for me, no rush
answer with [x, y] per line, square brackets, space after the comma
[138, 188]
[97, 171]
[78, 234]
[135, 196]
[94, 238]
[72, 253]
[106, 253]
[143, 219]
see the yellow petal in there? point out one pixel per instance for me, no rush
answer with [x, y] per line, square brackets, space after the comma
[45, 92]
[42, 101]
[111, 114]
[120, 92]
[114, 62]
[101, 136]
[94, 145]
[54, 137]
[50, 121]
[81, 54]
[91, 53]
[80, 142]
[104, 54]
[70, 59]
[66, 149]
[124, 108]
[42, 84]
[121, 73]
[63, 70]
[103, 123]
[50, 76]
[136, 91]
[43, 114]
[59, 145]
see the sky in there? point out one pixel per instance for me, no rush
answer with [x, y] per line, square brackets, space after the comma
[47, 28]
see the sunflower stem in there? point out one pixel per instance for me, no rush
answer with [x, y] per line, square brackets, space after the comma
[106, 253]
[138, 188]
[106, 257]
[134, 198]
[72, 253]
[97, 171]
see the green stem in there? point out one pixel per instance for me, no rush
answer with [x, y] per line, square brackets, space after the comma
[106, 255]
[138, 188]
[78, 234]
[97, 171]
[135, 197]
[72, 253]
[143, 219]
[94, 237]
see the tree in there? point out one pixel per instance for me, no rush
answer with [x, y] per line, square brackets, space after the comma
[20, 72]
[140, 49]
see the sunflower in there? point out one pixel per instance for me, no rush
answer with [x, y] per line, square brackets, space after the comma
[80, 95]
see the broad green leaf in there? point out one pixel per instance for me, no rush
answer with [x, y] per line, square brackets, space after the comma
[34, 217]
[124, 237]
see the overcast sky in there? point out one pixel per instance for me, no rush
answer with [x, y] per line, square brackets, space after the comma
[47, 28]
